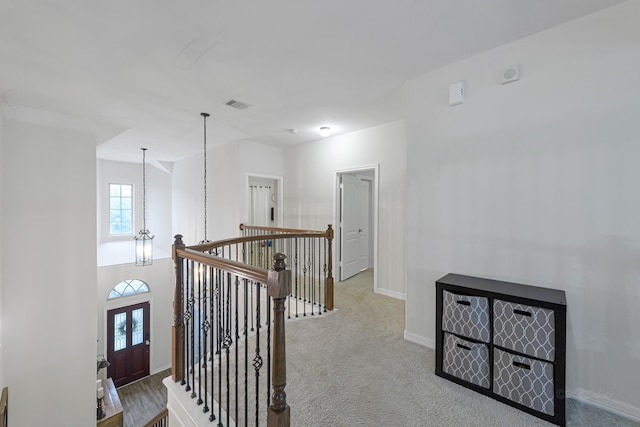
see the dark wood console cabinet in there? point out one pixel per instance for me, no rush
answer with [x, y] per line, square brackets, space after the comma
[504, 340]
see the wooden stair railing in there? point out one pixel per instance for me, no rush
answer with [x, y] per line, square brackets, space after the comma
[269, 233]
[191, 260]
[160, 420]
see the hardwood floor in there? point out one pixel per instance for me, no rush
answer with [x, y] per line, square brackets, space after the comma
[143, 399]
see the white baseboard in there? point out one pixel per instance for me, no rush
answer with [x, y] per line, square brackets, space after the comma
[392, 294]
[160, 369]
[184, 412]
[420, 340]
[603, 402]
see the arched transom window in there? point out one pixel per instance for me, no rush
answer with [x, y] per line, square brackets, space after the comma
[128, 287]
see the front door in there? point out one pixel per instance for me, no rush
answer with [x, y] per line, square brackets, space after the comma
[128, 343]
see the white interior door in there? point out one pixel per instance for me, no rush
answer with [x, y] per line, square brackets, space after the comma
[350, 242]
[363, 225]
[260, 198]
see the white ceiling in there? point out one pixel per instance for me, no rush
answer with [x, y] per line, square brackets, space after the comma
[138, 73]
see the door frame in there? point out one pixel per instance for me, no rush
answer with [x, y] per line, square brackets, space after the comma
[144, 347]
[279, 195]
[125, 302]
[336, 215]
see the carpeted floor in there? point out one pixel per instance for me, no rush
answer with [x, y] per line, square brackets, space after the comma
[353, 368]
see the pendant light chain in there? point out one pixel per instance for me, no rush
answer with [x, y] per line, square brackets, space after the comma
[204, 116]
[144, 190]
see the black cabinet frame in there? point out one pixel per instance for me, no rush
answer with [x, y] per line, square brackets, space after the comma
[552, 299]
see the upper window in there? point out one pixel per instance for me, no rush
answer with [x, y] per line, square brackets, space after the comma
[120, 209]
[128, 287]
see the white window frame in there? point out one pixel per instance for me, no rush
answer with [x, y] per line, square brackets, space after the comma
[120, 235]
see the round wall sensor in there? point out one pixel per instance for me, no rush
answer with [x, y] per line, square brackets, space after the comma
[511, 74]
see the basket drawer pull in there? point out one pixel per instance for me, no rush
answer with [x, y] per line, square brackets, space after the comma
[521, 365]
[522, 312]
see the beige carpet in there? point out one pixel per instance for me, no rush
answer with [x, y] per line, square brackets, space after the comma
[353, 368]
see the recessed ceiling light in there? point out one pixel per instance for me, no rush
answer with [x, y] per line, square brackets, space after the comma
[325, 131]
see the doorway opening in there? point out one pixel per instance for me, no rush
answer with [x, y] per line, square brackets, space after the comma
[264, 200]
[356, 219]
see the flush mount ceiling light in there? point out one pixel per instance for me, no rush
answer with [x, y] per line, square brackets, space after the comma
[325, 131]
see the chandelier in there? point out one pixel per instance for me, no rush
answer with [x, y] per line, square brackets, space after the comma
[144, 240]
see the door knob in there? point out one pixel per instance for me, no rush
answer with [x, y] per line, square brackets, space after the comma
[147, 342]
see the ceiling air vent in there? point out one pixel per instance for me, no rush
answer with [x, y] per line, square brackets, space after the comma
[236, 104]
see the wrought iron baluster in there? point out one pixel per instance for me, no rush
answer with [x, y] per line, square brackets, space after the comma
[319, 276]
[251, 302]
[324, 281]
[219, 308]
[257, 360]
[212, 357]
[297, 270]
[205, 328]
[268, 350]
[244, 252]
[185, 281]
[192, 308]
[228, 341]
[312, 277]
[246, 353]
[219, 283]
[304, 278]
[237, 281]
[289, 245]
[187, 321]
[199, 298]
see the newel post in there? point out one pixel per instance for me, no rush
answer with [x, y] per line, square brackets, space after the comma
[177, 330]
[279, 287]
[329, 299]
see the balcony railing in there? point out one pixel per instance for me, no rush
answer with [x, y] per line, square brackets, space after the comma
[229, 314]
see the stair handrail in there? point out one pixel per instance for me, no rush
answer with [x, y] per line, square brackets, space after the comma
[282, 230]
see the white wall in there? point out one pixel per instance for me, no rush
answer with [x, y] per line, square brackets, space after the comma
[223, 195]
[160, 278]
[536, 182]
[114, 250]
[310, 181]
[49, 274]
[2, 381]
